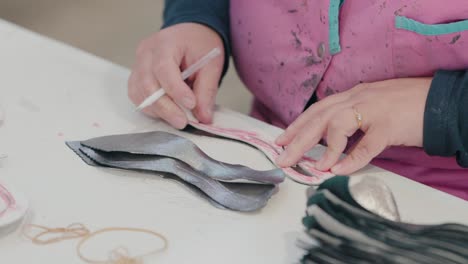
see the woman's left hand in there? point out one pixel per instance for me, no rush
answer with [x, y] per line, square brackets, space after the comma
[391, 114]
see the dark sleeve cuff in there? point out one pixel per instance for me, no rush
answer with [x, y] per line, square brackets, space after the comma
[445, 116]
[214, 15]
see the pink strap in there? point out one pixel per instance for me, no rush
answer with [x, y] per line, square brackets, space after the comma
[9, 200]
[271, 150]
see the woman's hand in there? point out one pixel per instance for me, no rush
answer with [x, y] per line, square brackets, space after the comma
[159, 60]
[392, 114]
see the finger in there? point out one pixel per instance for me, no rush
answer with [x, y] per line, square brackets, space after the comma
[168, 74]
[141, 82]
[205, 88]
[303, 119]
[316, 109]
[308, 137]
[164, 108]
[371, 145]
[336, 140]
[167, 110]
[347, 126]
[341, 126]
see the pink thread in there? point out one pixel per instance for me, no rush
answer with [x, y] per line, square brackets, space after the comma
[9, 200]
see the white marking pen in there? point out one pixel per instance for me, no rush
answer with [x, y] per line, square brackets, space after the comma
[185, 74]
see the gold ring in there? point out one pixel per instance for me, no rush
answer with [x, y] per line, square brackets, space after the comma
[358, 118]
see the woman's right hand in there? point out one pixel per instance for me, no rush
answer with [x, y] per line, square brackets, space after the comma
[159, 60]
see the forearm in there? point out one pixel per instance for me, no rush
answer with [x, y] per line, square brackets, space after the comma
[446, 116]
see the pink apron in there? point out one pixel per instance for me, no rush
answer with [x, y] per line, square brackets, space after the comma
[285, 50]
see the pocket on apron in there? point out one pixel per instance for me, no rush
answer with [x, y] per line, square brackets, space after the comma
[420, 49]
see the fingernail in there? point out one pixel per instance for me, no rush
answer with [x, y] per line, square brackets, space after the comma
[208, 114]
[336, 169]
[179, 122]
[282, 158]
[280, 138]
[319, 164]
[189, 102]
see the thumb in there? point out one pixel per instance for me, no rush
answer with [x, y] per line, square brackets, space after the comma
[371, 145]
[205, 88]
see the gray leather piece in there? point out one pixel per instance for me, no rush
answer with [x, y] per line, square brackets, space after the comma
[75, 146]
[192, 189]
[137, 152]
[375, 196]
[169, 145]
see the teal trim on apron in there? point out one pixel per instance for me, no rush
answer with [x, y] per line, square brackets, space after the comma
[334, 27]
[409, 24]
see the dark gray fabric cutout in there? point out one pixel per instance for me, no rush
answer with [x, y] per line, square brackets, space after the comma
[169, 145]
[161, 152]
[75, 146]
[191, 188]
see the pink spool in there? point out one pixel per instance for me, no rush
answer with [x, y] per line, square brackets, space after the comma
[13, 208]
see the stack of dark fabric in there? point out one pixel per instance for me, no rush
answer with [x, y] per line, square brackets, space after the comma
[339, 230]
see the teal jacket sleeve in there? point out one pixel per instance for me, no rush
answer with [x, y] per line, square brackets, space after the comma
[446, 116]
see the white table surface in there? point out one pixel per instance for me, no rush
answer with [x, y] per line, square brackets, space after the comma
[52, 92]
